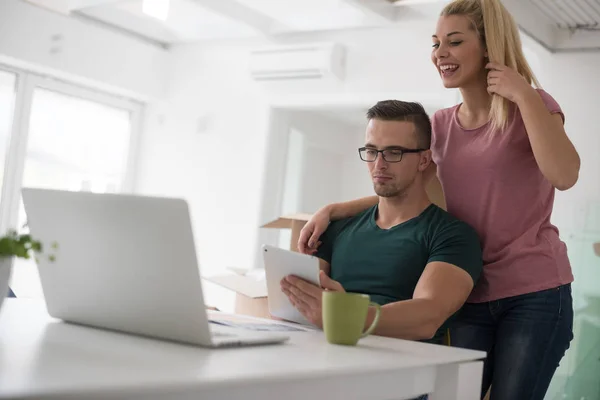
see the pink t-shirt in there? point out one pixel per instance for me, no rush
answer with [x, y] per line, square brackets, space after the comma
[493, 183]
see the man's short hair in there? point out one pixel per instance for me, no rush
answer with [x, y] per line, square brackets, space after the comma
[396, 110]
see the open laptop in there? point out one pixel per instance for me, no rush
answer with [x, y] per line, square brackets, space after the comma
[126, 263]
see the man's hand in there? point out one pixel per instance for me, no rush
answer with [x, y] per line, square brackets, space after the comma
[307, 298]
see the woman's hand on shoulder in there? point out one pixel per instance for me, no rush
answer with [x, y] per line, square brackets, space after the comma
[308, 242]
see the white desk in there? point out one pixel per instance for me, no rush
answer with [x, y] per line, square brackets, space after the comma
[43, 358]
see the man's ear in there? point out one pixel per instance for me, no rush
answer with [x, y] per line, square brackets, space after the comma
[425, 160]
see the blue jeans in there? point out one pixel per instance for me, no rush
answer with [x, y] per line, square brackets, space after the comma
[525, 338]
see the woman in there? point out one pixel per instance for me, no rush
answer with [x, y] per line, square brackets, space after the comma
[499, 157]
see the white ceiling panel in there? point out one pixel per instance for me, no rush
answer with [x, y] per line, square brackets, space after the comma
[187, 20]
[193, 20]
[309, 15]
[571, 14]
[559, 25]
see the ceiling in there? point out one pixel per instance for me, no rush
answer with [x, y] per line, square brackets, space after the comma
[558, 25]
[572, 14]
[183, 21]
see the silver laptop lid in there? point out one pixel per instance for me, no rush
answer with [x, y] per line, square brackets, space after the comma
[123, 262]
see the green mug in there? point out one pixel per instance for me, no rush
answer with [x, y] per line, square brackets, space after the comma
[344, 317]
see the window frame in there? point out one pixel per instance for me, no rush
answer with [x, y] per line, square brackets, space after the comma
[26, 83]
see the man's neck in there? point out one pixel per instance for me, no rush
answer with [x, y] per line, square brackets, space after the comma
[393, 211]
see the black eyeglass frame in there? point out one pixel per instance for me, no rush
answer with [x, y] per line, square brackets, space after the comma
[402, 151]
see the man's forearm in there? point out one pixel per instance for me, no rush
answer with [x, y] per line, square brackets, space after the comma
[414, 319]
[351, 208]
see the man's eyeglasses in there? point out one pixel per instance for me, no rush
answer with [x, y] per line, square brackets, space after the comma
[392, 155]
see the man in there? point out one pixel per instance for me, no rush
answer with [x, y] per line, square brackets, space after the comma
[407, 254]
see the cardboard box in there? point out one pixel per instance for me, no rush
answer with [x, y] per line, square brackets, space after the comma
[295, 222]
[254, 307]
[251, 286]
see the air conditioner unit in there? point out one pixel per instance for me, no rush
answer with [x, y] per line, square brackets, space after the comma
[306, 61]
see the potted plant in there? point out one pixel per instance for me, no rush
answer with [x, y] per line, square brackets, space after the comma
[18, 245]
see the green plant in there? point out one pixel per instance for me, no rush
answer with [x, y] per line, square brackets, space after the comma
[14, 244]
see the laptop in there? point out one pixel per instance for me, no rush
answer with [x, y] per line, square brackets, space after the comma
[126, 263]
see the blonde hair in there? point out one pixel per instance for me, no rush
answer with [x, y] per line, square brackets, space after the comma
[500, 35]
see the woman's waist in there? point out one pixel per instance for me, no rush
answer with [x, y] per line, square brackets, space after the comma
[541, 243]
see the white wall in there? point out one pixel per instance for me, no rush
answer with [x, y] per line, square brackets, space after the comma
[211, 102]
[328, 144]
[232, 193]
[294, 170]
[210, 82]
[322, 163]
[42, 40]
[356, 181]
[321, 183]
[393, 62]
[206, 143]
[334, 171]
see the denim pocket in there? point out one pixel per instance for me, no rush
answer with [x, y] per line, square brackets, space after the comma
[545, 306]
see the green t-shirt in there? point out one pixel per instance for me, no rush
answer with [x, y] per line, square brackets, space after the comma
[386, 264]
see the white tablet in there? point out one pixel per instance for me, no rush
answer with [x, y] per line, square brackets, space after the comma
[280, 263]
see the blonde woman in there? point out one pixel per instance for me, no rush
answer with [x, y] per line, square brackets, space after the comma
[499, 156]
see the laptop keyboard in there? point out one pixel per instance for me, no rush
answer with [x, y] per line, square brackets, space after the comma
[217, 333]
[221, 334]
[253, 326]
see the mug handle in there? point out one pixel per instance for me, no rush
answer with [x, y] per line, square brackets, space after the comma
[375, 320]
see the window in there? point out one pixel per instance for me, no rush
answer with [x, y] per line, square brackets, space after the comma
[76, 144]
[7, 98]
[67, 138]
